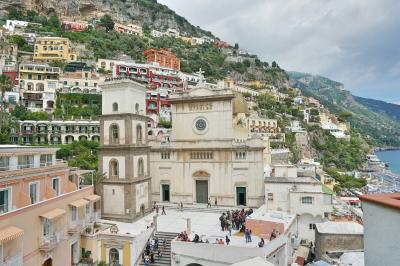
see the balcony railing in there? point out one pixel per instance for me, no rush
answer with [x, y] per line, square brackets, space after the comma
[14, 260]
[77, 226]
[96, 215]
[49, 242]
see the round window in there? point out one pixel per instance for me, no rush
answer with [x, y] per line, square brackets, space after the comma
[201, 124]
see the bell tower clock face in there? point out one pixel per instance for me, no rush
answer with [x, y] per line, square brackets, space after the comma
[200, 125]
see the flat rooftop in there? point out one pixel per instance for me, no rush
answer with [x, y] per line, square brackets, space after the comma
[299, 179]
[206, 225]
[340, 228]
[273, 216]
[385, 199]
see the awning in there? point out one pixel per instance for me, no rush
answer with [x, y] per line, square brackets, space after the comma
[10, 233]
[79, 203]
[53, 214]
[93, 198]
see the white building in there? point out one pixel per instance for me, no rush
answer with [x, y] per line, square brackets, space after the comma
[11, 25]
[38, 83]
[172, 33]
[157, 34]
[204, 159]
[81, 82]
[301, 195]
[55, 131]
[381, 219]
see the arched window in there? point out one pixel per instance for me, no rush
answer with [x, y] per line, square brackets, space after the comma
[115, 107]
[114, 134]
[137, 108]
[113, 168]
[114, 257]
[140, 167]
[139, 135]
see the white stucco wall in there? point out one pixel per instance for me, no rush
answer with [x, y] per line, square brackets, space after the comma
[381, 235]
[126, 95]
[115, 203]
[218, 118]
[290, 201]
[142, 195]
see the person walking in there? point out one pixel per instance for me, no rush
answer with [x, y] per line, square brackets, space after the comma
[157, 209]
[227, 240]
[250, 235]
[209, 203]
[216, 202]
[229, 225]
[181, 206]
[163, 210]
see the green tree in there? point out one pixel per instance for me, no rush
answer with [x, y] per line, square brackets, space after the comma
[21, 42]
[5, 85]
[107, 22]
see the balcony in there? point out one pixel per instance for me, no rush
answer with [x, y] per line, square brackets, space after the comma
[96, 215]
[77, 227]
[14, 260]
[48, 243]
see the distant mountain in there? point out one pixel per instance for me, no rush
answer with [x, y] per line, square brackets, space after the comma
[375, 119]
[389, 109]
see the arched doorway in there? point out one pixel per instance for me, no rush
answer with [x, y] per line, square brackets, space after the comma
[48, 262]
[114, 257]
[201, 182]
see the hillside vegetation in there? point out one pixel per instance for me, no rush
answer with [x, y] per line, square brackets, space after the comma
[378, 128]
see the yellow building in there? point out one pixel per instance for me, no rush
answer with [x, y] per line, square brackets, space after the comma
[49, 49]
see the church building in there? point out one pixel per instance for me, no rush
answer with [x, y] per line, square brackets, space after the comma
[124, 151]
[209, 154]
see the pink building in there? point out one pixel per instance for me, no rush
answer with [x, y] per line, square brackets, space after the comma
[43, 209]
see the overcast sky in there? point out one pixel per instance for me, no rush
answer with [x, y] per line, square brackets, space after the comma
[356, 42]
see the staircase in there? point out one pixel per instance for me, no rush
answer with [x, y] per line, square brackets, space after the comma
[166, 253]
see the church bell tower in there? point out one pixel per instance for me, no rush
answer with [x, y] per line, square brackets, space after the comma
[124, 152]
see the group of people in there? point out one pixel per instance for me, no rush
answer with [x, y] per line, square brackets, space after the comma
[157, 209]
[220, 241]
[153, 248]
[234, 220]
[183, 236]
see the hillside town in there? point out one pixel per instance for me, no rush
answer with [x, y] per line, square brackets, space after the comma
[120, 161]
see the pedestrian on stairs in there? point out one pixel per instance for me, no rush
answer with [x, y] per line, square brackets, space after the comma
[181, 206]
[163, 210]
[216, 202]
[159, 254]
[157, 209]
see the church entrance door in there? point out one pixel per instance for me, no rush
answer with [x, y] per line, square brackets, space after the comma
[241, 196]
[165, 192]
[201, 191]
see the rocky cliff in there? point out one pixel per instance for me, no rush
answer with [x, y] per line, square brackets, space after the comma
[142, 12]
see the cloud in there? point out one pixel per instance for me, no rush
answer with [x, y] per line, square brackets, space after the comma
[353, 41]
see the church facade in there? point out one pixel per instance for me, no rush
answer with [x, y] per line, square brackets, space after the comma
[124, 151]
[209, 155]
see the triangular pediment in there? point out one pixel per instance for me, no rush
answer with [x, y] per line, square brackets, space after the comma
[201, 92]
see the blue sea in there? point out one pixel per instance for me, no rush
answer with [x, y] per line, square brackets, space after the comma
[392, 158]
